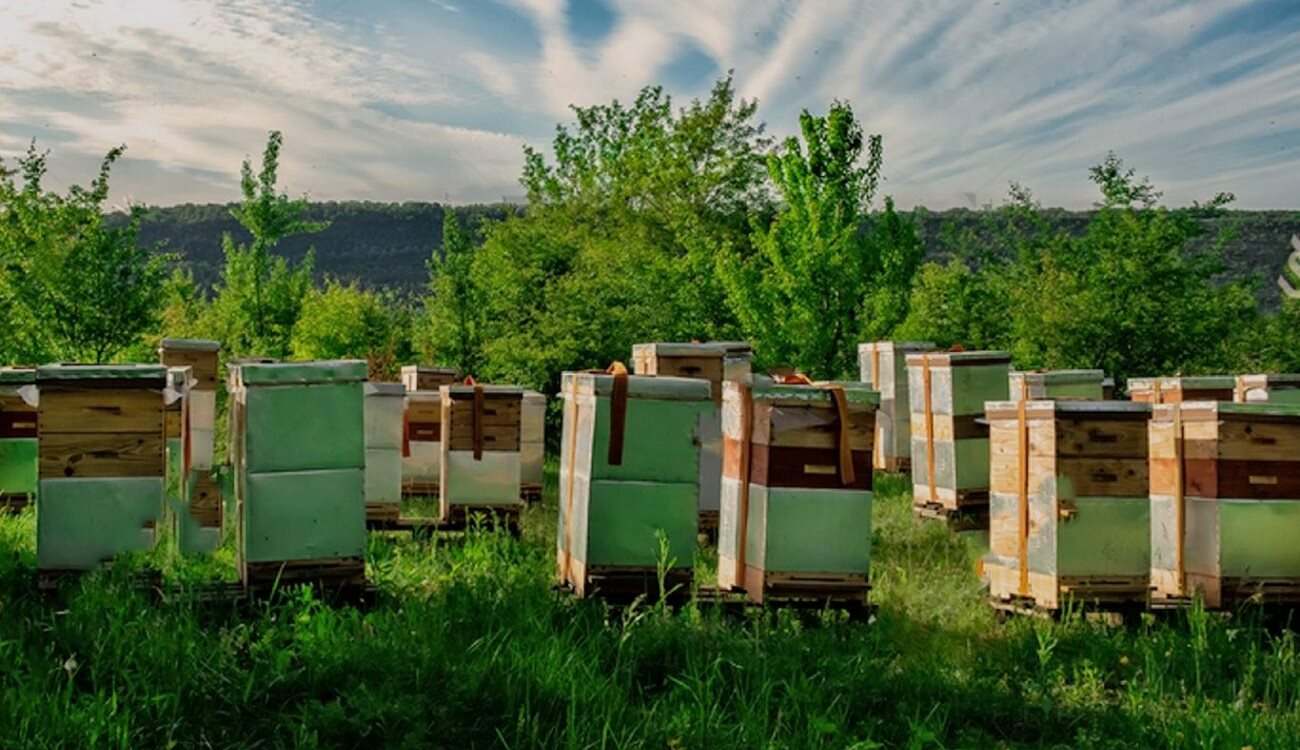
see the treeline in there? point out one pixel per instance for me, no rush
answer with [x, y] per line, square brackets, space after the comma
[649, 222]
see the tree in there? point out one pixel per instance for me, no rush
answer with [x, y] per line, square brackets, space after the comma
[260, 295]
[75, 287]
[456, 304]
[344, 321]
[801, 294]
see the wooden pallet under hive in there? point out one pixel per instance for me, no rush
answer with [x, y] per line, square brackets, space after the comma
[883, 366]
[1225, 503]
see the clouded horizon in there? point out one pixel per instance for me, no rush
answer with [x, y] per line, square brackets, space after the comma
[433, 100]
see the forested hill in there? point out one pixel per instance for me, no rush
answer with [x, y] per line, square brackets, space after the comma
[388, 244]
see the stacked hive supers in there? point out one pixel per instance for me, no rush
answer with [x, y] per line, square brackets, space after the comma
[796, 490]
[1225, 502]
[18, 400]
[883, 366]
[1273, 389]
[1069, 514]
[101, 462]
[176, 441]
[1175, 390]
[716, 362]
[629, 477]
[385, 404]
[532, 446]
[422, 445]
[950, 444]
[198, 529]
[298, 453]
[480, 452]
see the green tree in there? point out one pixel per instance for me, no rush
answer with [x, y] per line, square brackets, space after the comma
[802, 293]
[344, 321]
[74, 285]
[455, 307]
[260, 294]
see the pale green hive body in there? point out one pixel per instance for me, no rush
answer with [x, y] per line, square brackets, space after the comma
[613, 515]
[301, 474]
[883, 365]
[1058, 384]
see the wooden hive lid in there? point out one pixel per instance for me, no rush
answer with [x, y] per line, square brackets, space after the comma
[906, 347]
[859, 396]
[17, 375]
[720, 349]
[1277, 380]
[1213, 411]
[960, 359]
[189, 345]
[1060, 377]
[303, 373]
[651, 387]
[384, 389]
[101, 376]
[1067, 409]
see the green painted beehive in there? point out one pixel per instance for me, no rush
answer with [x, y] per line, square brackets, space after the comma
[298, 449]
[627, 483]
[1225, 502]
[1058, 384]
[18, 451]
[1069, 515]
[950, 444]
[796, 490]
[1273, 389]
[532, 444]
[883, 366]
[101, 462]
[384, 406]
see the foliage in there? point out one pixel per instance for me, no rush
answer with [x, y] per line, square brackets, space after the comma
[261, 295]
[344, 321]
[801, 294]
[455, 311]
[74, 287]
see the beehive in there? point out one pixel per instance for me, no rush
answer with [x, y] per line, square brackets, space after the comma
[200, 355]
[422, 443]
[480, 451]
[1274, 389]
[1225, 502]
[1179, 389]
[385, 404]
[883, 366]
[1069, 513]
[629, 472]
[1058, 384]
[796, 490]
[424, 378]
[532, 445]
[950, 442]
[101, 462]
[298, 451]
[18, 449]
[716, 362]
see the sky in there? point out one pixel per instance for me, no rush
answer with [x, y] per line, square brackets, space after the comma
[433, 100]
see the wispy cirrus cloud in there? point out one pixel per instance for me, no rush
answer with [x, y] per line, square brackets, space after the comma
[428, 99]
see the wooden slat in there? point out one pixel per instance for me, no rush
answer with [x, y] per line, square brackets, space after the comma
[1106, 477]
[424, 411]
[809, 468]
[423, 432]
[495, 438]
[101, 411]
[101, 455]
[203, 365]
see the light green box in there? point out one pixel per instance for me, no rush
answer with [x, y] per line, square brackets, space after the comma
[81, 523]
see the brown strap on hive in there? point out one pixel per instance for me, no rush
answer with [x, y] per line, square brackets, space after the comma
[406, 431]
[875, 367]
[929, 427]
[617, 413]
[746, 452]
[1022, 446]
[477, 433]
[844, 442]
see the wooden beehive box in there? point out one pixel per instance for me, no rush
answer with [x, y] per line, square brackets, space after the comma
[796, 499]
[950, 441]
[629, 472]
[1058, 384]
[201, 356]
[1179, 389]
[425, 378]
[532, 446]
[18, 449]
[298, 452]
[385, 404]
[422, 444]
[1225, 502]
[480, 451]
[1069, 515]
[101, 462]
[1273, 389]
[716, 362]
[883, 366]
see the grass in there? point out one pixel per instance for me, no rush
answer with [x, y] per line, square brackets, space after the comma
[470, 647]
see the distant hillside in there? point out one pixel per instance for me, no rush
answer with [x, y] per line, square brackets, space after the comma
[388, 244]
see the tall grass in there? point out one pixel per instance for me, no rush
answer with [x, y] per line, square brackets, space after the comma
[469, 646]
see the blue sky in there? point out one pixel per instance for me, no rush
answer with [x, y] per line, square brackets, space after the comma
[434, 99]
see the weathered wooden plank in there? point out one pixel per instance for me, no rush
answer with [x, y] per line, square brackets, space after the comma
[101, 455]
[83, 411]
